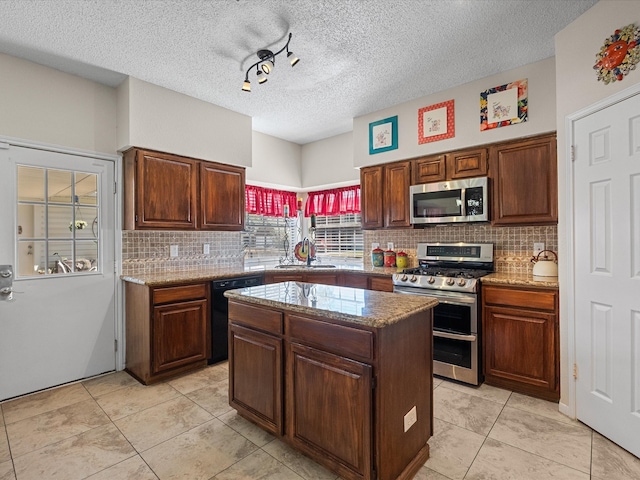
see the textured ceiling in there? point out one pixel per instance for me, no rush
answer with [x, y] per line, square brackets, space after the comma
[356, 56]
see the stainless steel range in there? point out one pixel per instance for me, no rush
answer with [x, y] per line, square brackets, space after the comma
[450, 273]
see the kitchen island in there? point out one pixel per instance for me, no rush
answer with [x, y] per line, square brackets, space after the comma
[342, 374]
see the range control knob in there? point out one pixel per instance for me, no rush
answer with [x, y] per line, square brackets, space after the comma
[450, 281]
[462, 282]
[431, 280]
[404, 278]
[413, 279]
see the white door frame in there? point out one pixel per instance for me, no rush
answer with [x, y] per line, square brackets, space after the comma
[567, 278]
[117, 231]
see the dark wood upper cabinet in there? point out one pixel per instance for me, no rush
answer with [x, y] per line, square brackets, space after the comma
[524, 181]
[467, 164]
[429, 169]
[165, 191]
[451, 166]
[371, 197]
[384, 195]
[397, 178]
[221, 197]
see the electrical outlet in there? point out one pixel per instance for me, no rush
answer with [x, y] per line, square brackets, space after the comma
[173, 250]
[410, 418]
[375, 245]
[538, 247]
[205, 249]
[389, 245]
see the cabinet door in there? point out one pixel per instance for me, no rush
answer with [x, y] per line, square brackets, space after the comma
[221, 197]
[165, 191]
[255, 376]
[323, 278]
[283, 277]
[428, 169]
[180, 334]
[329, 414]
[397, 177]
[467, 163]
[381, 284]
[520, 350]
[355, 280]
[525, 182]
[371, 197]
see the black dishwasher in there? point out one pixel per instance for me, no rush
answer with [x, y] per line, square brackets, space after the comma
[220, 311]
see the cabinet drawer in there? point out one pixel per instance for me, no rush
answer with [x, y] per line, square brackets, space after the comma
[539, 300]
[256, 317]
[335, 338]
[179, 293]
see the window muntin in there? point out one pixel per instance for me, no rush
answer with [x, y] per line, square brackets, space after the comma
[58, 213]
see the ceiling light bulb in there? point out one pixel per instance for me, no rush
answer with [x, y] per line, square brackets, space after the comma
[267, 66]
[246, 86]
[293, 59]
[261, 77]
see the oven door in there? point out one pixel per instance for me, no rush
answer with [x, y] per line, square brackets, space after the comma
[455, 334]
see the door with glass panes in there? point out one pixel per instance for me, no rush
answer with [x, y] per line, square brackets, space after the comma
[58, 237]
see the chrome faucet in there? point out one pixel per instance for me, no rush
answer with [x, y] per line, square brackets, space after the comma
[306, 242]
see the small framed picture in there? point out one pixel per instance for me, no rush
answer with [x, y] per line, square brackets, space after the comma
[436, 122]
[383, 135]
[504, 105]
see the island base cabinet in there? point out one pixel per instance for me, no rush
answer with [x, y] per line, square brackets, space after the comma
[255, 381]
[355, 398]
[337, 429]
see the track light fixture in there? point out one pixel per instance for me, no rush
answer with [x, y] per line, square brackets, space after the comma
[266, 64]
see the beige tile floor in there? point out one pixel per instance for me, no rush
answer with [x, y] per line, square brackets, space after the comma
[111, 428]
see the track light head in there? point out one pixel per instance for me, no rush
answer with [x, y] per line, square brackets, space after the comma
[246, 86]
[292, 59]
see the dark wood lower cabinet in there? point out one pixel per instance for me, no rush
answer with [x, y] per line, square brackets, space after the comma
[344, 390]
[329, 408]
[167, 329]
[258, 386]
[521, 347]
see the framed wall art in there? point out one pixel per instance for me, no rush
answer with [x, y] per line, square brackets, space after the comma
[436, 122]
[504, 105]
[383, 135]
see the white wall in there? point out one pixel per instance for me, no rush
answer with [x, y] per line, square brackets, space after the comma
[542, 118]
[577, 88]
[168, 121]
[276, 163]
[44, 105]
[328, 163]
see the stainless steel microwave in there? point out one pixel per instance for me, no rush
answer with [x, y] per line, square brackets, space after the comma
[455, 201]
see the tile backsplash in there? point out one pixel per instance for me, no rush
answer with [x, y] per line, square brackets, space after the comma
[513, 246]
[146, 252]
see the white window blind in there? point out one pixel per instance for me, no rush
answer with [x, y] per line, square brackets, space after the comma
[263, 239]
[339, 235]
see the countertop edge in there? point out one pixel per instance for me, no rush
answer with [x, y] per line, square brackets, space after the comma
[520, 280]
[369, 321]
[159, 279]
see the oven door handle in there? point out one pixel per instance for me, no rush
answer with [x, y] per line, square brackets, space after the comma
[454, 336]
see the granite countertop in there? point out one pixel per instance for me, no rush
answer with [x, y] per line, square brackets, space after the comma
[520, 279]
[355, 305]
[221, 273]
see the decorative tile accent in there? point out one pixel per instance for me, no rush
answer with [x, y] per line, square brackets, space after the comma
[147, 252]
[513, 246]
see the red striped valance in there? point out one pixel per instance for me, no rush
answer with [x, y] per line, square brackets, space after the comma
[269, 202]
[336, 201]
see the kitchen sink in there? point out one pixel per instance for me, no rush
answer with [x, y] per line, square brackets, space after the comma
[307, 266]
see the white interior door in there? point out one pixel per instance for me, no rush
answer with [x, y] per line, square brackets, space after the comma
[607, 271]
[58, 234]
